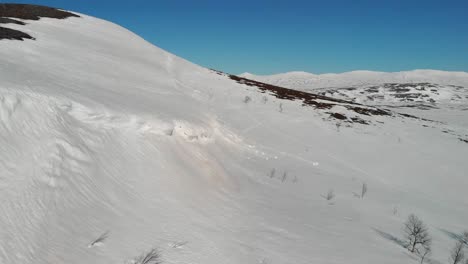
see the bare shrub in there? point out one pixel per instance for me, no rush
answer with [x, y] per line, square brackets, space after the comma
[330, 195]
[272, 173]
[416, 234]
[264, 99]
[338, 125]
[179, 244]
[465, 237]
[395, 210]
[280, 108]
[247, 99]
[424, 253]
[285, 176]
[99, 240]
[151, 257]
[457, 255]
[363, 190]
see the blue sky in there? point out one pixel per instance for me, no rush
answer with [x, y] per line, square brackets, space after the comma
[266, 37]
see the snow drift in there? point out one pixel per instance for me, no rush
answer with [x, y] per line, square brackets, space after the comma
[103, 135]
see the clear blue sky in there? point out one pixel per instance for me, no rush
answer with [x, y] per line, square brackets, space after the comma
[269, 36]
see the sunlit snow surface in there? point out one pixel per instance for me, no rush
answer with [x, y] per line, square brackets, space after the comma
[103, 133]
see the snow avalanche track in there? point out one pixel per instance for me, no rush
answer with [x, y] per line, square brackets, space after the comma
[101, 131]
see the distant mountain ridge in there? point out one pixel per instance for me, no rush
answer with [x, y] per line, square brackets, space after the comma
[305, 80]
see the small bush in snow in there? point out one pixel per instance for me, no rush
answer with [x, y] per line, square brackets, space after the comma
[98, 241]
[395, 210]
[247, 99]
[416, 234]
[457, 255]
[363, 190]
[272, 173]
[465, 238]
[151, 257]
[424, 253]
[338, 125]
[330, 195]
[285, 176]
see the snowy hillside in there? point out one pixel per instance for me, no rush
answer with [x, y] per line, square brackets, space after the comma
[104, 134]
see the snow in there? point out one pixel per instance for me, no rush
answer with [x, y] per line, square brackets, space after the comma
[100, 131]
[305, 81]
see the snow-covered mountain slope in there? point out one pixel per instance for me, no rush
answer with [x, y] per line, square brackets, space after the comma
[100, 131]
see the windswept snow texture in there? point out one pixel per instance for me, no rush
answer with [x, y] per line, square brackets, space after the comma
[110, 146]
[25, 12]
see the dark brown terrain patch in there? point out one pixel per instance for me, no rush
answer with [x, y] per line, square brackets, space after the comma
[338, 116]
[415, 117]
[4, 20]
[6, 33]
[360, 121]
[32, 12]
[26, 12]
[342, 117]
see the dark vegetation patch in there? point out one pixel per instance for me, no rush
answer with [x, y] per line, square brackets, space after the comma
[32, 12]
[6, 33]
[5, 20]
[360, 120]
[457, 87]
[415, 117]
[420, 106]
[342, 117]
[400, 90]
[372, 89]
[26, 12]
[398, 86]
[369, 111]
[463, 140]
[338, 116]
